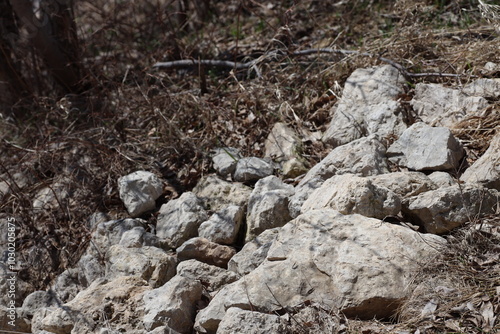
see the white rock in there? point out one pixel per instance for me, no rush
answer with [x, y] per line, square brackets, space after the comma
[442, 179]
[368, 105]
[282, 143]
[441, 106]
[180, 218]
[67, 285]
[488, 88]
[38, 300]
[363, 157]
[206, 251]
[440, 211]
[213, 278]
[152, 264]
[293, 168]
[252, 169]
[138, 237]
[223, 226]
[358, 265]
[422, 147]
[218, 194]
[139, 191]
[225, 160]
[173, 304]
[486, 170]
[253, 253]
[237, 320]
[50, 198]
[405, 184]
[268, 206]
[349, 194]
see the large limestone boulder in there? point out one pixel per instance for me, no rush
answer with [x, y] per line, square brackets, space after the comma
[440, 211]
[486, 170]
[139, 191]
[349, 194]
[368, 105]
[422, 147]
[356, 264]
[268, 206]
[179, 219]
[173, 304]
[363, 157]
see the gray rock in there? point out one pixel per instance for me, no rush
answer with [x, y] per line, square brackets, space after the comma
[442, 179]
[206, 251]
[152, 264]
[268, 206]
[422, 147]
[484, 87]
[218, 194]
[293, 168]
[14, 319]
[252, 169]
[441, 106]
[163, 330]
[50, 198]
[440, 211]
[358, 265]
[38, 300]
[138, 237]
[405, 184]
[253, 253]
[349, 194]
[237, 320]
[368, 105]
[486, 170]
[282, 143]
[223, 226]
[67, 285]
[12, 182]
[225, 160]
[179, 219]
[139, 191]
[173, 304]
[213, 278]
[363, 157]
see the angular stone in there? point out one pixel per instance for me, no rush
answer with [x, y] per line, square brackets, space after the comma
[268, 206]
[213, 278]
[440, 211]
[139, 191]
[180, 218]
[484, 87]
[173, 304]
[225, 160]
[237, 320]
[368, 105]
[138, 237]
[223, 226]
[218, 194]
[349, 194]
[206, 251]
[293, 168]
[405, 184]
[363, 157]
[442, 179]
[486, 170]
[252, 169]
[360, 266]
[152, 264]
[282, 143]
[422, 147]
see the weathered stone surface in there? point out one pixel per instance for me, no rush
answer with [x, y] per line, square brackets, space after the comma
[50, 198]
[293, 168]
[442, 179]
[139, 191]
[213, 278]
[422, 147]
[253, 253]
[487, 88]
[218, 194]
[173, 304]
[349, 194]
[223, 226]
[252, 169]
[237, 320]
[117, 303]
[442, 106]
[138, 237]
[268, 206]
[180, 218]
[14, 320]
[38, 300]
[225, 160]
[67, 285]
[368, 105]
[152, 264]
[441, 210]
[405, 184]
[357, 264]
[163, 330]
[486, 170]
[206, 251]
[282, 143]
[363, 157]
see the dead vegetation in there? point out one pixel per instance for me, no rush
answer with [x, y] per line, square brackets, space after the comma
[134, 116]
